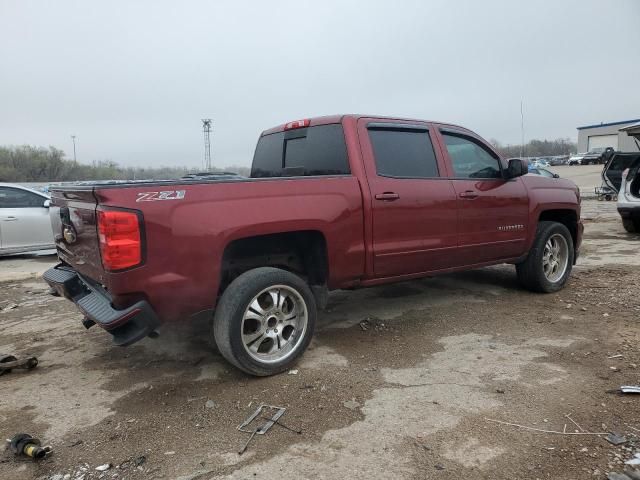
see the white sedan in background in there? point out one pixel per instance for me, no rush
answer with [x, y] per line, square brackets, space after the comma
[24, 220]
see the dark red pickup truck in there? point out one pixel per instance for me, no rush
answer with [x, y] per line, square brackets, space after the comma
[332, 203]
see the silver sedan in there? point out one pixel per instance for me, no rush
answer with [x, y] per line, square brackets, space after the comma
[24, 220]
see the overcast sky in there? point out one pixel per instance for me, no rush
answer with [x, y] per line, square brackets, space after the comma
[132, 79]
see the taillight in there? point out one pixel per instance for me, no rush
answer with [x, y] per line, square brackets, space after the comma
[120, 239]
[297, 124]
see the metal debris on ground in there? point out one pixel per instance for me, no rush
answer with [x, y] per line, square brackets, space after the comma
[264, 428]
[103, 468]
[627, 475]
[365, 324]
[351, 404]
[280, 424]
[25, 444]
[630, 388]
[541, 430]
[615, 439]
[634, 461]
[9, 362]
[11, 306]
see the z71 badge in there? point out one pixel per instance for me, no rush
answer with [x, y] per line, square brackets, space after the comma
[153, 196]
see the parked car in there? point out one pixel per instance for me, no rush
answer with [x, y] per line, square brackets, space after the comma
[543, 171]
[335, 202]
[576, 159]
[629, 197]
[542, 162]
[24, 220]
[613, 171]
[559, 160]
[597, 156]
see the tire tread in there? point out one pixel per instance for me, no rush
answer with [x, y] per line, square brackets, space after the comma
[530, 273]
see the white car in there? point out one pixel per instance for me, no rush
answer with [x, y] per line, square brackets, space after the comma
[629, 198]
[24, 220]
[540, 162]
[576, 159]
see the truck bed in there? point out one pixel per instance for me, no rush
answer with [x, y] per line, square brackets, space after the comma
[186, 237]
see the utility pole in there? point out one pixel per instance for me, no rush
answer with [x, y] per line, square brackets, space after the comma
[521, 130]
[206, 130]
[73, 138]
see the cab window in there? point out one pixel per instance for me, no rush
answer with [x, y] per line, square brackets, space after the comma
[470, 159]
[311, 151]
[403, 153]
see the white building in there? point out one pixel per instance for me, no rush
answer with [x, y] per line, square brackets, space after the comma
[607, 135]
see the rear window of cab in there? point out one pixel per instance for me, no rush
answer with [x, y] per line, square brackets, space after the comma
[310, 151]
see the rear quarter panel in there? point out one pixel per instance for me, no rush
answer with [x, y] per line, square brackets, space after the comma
[185, 238]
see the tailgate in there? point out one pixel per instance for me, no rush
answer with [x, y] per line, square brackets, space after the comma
[73, 219]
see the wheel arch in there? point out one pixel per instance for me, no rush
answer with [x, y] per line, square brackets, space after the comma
[565, 216]
[303, 252]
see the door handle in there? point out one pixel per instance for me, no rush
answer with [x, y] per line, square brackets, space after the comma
[469, 194]
[10, 219]
[387, 196]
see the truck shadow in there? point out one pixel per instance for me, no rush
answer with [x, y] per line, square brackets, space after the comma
[184, 345]
[346, 308]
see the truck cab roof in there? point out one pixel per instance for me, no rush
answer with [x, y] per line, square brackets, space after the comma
[338, 118]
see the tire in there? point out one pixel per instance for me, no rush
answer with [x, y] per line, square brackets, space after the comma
[271, 336]
[630, 225]
[531, 272]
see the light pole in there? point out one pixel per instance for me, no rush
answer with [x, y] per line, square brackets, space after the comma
[73, 138]
[522, 129]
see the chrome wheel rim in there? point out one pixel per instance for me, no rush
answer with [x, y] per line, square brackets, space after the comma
[555, 257]
[274, 324]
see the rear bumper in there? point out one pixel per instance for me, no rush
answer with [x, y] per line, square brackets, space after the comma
[629, 212]
[127, 326]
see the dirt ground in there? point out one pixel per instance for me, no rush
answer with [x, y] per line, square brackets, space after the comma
[402, 381]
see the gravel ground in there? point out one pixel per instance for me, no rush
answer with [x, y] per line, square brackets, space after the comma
[402, 381]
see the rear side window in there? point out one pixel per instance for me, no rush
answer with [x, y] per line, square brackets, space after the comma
[470, 159]
[403, 153]
[308, 151]
[16, 198]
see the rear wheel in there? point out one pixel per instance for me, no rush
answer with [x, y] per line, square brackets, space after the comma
[548, 265]
[264, 321]
[631, 225]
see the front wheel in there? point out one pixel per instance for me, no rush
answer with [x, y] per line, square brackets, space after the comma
[264, 321]
[548, 265]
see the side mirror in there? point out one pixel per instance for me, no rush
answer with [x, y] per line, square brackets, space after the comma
[47, 203]
[517, 168]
